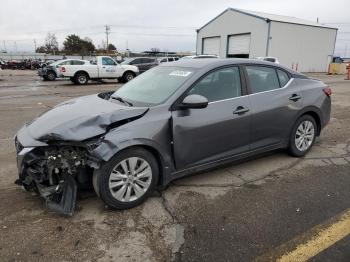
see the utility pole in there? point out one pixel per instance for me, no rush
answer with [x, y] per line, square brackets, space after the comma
[34, 46]
[5, 46]
[108, 29]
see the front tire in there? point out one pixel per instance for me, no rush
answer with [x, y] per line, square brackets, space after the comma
[303, 136]
[51, 76]
[127, 179]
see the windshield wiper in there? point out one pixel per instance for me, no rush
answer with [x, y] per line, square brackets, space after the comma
[122, 100]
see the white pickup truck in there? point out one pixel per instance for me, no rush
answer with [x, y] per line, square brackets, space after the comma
[104, 67]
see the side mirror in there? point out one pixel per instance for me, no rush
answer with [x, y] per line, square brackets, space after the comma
[194, 101]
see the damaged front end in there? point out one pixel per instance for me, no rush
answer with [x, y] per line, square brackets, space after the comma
[55, 172]
[55, 152]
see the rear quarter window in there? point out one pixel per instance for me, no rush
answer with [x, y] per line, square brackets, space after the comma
[283, 77]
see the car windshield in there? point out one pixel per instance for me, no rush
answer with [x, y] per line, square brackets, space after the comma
[154, 86]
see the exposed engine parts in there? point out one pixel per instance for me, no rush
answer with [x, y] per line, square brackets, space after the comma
[54, 172]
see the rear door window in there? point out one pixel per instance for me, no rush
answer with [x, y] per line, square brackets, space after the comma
[147, 60]
[262, 78]
[136, 61]
[77, 62]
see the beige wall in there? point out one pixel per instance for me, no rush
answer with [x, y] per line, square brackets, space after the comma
[309, 47]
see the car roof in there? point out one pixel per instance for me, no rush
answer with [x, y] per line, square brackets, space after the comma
[217, 62]
[205, 62]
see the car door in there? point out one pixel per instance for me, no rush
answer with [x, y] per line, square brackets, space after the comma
[221, 129]
[138, 62]
[108, 68]
[275, 102]
[148, 63]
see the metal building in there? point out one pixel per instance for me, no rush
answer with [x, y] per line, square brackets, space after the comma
[297, 43]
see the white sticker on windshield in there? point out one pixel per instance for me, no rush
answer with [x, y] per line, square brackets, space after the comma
[180, 73]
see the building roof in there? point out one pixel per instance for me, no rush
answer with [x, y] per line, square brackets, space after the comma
[273, 17]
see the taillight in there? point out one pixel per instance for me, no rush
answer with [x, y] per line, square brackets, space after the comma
[63, 69]
[327, 91]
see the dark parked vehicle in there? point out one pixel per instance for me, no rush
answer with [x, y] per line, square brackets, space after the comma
[175, 119]
[167, 59]
[143, 63]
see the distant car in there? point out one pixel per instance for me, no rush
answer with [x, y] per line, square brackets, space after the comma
[2, 64]
[105, 67]
[50, 72]
[167, 59]
[199, 56]
[143, 63]
[269, 59]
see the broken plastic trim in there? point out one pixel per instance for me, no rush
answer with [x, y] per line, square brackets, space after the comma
[66, 205]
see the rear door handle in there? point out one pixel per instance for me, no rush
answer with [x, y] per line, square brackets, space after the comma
[240, 110]
[295, 97]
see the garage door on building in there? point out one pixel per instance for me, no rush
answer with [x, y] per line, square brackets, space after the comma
[211, 46]
[238, 46]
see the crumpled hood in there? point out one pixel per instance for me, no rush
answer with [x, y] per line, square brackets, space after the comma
[81, 118]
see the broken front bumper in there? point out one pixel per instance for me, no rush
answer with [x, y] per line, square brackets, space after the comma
[50, 170]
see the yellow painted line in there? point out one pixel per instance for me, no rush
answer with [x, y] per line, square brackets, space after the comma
[324, 239]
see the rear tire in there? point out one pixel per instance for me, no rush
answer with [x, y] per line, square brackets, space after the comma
[127, 179]
[81, 78]
[303, 136]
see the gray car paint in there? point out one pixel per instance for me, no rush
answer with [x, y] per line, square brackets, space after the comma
[186, 141]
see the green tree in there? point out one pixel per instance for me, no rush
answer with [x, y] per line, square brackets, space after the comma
[111, 47]
[75, 45]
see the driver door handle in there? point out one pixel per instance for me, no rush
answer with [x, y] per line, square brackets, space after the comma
[240, 110]
[295, 97]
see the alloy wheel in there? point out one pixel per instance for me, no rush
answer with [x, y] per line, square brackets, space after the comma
[82, 79]
[130, 179]
[304, 135]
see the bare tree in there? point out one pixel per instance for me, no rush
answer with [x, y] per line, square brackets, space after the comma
[155, 49]
[51, 43]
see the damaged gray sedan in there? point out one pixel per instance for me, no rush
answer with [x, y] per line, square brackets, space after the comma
[173, 120]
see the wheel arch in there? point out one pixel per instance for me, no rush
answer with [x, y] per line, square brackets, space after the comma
[129, 71]
[52, 71]
[81, 71]
[316, 114]
[148, 147]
